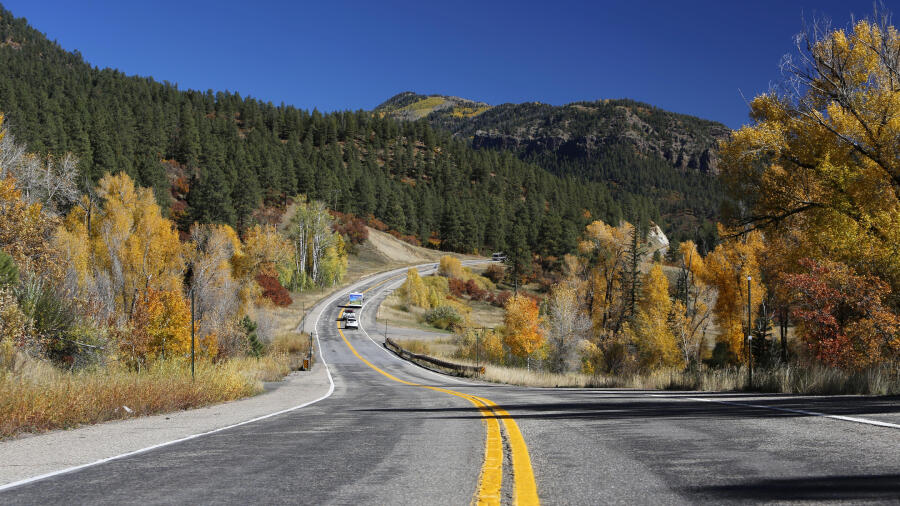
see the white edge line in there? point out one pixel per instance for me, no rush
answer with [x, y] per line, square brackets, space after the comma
[168, 443]
[853, 419]
[67, 470]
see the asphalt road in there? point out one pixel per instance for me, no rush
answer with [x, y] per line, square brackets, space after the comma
[378, 440]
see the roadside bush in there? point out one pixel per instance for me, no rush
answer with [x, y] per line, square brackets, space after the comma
[457, 287]
[443, 317]
[440, 284]
[475, 291]
[450, 267]
[351, 227]
[273, 290]
[501, 298]
[495, 272]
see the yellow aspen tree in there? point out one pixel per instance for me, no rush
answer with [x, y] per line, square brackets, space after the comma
[726, 269]
[414, 290]
[161, 328]
[604, 249]
[523, 334]
[651, 332]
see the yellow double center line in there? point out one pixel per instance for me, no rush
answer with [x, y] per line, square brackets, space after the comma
[491, 479]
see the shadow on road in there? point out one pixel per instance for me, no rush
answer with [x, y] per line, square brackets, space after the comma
[638, 407]
[832, 488]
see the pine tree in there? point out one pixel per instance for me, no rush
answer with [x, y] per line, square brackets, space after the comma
[634, 256]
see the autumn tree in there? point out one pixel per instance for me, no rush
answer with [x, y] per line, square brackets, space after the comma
[160, 328]
[605, 248]
[450, 267]
[319, 254]
[566, 325]
[692, 305]
[523, 334]
[843, 317]
[220, 297]
[26, 232]
[726, 268]
[650, 330]
[414, 291]
[821, 159]
[124, 250]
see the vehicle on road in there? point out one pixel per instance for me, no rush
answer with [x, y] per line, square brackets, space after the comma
[498, 257]
[350, 321]
[355, 299]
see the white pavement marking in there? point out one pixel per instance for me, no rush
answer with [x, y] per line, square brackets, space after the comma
[854, 419]
[188, 438]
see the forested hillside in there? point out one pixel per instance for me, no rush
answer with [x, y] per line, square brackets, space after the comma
[641, 152]
[219, 157]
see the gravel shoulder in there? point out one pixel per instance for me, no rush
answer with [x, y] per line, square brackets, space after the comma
[35, 455]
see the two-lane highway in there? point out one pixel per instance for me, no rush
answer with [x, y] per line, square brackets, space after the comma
[394, 433]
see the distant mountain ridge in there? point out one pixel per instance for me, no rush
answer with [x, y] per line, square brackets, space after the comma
[635, 148]
[578, 129]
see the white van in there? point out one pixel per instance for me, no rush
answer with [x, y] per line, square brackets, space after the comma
[350, 321]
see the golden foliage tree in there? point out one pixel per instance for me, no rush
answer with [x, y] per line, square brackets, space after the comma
[414, 291]
[656, 345]
[523, 334]
[160, 328]
[727, 268]
[822, 160]
[26, 232]
[604, 248]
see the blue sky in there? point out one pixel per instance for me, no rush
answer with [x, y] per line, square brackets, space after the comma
[695, 57]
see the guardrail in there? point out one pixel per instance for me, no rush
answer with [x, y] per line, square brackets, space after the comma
[457, 369]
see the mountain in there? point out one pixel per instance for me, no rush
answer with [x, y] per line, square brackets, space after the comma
[635, 148]
[217, 156]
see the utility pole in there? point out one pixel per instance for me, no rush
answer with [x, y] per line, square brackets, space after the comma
[749, 337]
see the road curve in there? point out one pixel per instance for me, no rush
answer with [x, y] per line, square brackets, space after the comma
[377, 440]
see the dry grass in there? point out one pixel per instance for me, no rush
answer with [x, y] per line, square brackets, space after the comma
[38, 397]
[439, 348]
[790, 379]
[813, 380]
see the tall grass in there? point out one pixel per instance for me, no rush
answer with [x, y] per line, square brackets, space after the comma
[36, 396]
[810, 380]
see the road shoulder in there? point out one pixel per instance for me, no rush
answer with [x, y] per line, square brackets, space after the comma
[36, 455]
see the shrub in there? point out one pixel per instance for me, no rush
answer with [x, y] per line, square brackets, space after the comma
[501, 298]
[273, 290]
[443, 317]
[457, 287]
[351, 227]
[9, 273]
[495, 272]
[450, 267]
[50, 316]
[475, 291]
